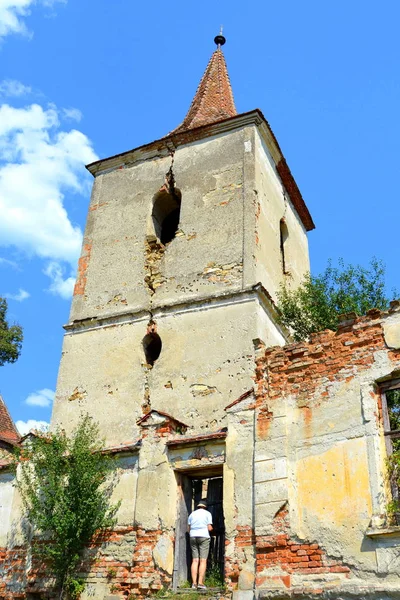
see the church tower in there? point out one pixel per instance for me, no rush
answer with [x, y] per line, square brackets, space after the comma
[187, 241]
[169, 349]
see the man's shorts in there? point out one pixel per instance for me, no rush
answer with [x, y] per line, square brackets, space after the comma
[200, 547]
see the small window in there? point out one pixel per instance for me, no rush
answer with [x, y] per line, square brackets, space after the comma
[152, 343]
[390, 394]
[391, 414]
[284, 235]
[166, 214]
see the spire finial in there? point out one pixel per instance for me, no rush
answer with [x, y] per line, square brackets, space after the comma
[213, 100]
[219, 39]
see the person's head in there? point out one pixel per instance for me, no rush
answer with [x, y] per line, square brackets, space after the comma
[202, 504]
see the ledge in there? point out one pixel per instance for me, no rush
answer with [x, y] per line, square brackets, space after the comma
[127, 447]
[197, 439]
[375, 532]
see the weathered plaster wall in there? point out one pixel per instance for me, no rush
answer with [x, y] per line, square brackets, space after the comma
[207, 360]
[205, 256]
[228, 237]
[273, 204]
[125, 488]
[6, 500]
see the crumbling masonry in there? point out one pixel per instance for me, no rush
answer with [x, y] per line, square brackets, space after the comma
[174, 347]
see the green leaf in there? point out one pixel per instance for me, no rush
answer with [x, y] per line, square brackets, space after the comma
[319, 300]
[11, 337]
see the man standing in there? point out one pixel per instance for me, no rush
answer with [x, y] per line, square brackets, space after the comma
[200, 525]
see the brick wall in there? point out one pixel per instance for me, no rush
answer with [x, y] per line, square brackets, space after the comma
[301, 368]
[122, 559]
[296, 385]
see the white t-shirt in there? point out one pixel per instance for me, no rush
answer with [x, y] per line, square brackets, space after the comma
[198, 521]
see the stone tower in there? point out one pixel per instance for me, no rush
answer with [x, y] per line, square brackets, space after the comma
[187, 241]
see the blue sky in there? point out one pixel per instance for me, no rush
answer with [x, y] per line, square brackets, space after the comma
[81, 79]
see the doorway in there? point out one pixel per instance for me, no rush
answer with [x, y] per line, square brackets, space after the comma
[192, 488]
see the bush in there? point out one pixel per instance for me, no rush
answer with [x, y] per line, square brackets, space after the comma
[65, 488]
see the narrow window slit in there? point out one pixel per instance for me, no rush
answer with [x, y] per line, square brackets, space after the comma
[284, 235]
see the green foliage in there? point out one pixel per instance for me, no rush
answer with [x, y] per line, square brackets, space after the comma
[74, 587]
[393, 463]
[393, 405]
[319, 300]
[65, 486]
[10, 337]
[214, 577]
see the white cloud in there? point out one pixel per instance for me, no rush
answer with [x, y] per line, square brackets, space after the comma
[60, 286]
[12, 87]
[22, 295]
[8, 263]
[41, 162]
[25, 427]
[40, 398]
[13, 12]
[72, 114]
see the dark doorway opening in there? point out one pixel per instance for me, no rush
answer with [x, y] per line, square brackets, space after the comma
[192, 488]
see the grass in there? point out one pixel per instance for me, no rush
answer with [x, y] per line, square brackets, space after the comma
[214, 578]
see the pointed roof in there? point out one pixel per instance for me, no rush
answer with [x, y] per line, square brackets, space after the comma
[8, 431]
[213, 100]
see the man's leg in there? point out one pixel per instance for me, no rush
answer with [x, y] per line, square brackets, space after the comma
[202, 570]
[194, 570]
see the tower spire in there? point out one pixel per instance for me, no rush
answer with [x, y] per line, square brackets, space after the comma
[213, 100]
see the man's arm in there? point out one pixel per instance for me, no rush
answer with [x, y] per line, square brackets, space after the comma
[209, 524]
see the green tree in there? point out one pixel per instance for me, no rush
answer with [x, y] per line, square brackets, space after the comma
[10, 337]
[65, 485]
[319, 300]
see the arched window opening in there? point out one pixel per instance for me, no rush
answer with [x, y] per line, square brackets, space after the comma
[166, 214]
[284, 235]
[152, 344]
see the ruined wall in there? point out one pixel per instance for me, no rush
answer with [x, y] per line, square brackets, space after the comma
[320, 477]
[136, 558]
[200, 293]
[305, 489]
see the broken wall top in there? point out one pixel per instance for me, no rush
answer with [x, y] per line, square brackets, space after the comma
[303, 368]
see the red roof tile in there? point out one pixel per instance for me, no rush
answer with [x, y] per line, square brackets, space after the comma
[214, 99]
[8, 431]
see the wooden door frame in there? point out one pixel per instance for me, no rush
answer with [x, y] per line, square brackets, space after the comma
[183, 477]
